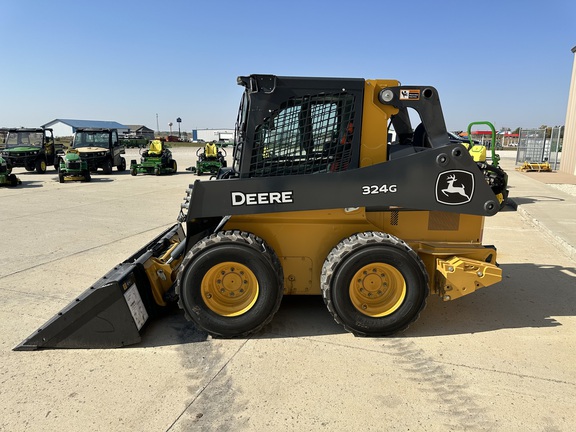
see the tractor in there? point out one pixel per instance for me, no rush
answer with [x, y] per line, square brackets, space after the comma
[73, 168]
[317, 201]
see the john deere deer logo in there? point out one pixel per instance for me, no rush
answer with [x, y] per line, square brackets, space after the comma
[454, 187]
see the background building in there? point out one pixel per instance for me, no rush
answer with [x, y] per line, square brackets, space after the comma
[67, 127]
[218, 135]
[140, 131]
[568, 160]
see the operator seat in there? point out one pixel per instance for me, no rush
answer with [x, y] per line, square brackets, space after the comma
[210, 150]
[156, 148]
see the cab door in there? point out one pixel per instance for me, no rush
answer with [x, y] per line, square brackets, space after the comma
[117, 148]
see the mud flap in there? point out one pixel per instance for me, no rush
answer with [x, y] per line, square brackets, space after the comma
[113, 312]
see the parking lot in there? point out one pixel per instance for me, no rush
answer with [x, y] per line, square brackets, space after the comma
[501, 359]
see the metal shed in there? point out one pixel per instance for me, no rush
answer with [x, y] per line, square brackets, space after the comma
[67, 127]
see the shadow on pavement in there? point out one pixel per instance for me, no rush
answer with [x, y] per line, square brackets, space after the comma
[534, 199]
[529, 296]
[28, 184]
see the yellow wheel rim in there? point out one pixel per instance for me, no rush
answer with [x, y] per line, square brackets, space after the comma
[230, 289]
[377, 290]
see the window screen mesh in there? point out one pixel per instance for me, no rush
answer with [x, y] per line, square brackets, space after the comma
[305, 135]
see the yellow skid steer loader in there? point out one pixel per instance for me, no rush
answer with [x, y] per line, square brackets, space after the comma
[319, 200]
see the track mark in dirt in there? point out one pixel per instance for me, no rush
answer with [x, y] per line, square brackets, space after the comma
[451, 397]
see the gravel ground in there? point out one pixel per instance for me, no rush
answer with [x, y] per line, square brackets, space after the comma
[566, 188]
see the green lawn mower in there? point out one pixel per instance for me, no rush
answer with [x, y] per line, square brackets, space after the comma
[73, 168]
[210, 159]
[156, 160]
[6, 176]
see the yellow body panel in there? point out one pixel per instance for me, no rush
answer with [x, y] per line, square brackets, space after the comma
[303, 240]
[374, 139]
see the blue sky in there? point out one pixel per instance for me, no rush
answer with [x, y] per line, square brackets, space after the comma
[508, 62]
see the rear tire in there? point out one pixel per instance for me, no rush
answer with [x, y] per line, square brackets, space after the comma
[374, 284]
[122, 166]
[231, 284]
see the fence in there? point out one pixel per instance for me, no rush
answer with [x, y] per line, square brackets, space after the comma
[535, 147]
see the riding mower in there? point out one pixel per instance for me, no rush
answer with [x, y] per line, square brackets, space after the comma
[6, 176]
[73, 168]
[156, 160]
[210, 159]
[477, 150]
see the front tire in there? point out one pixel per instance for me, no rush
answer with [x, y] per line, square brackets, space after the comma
[231, 284]
[40, 166]
[107, 168]
[13, 180]
[374, 284]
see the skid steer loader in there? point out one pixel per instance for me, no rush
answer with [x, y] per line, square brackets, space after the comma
[318, 201]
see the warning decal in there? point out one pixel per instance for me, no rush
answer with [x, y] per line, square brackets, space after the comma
[136, 306]
[406, 94]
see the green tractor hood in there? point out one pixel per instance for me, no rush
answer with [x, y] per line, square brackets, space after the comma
[72, 157]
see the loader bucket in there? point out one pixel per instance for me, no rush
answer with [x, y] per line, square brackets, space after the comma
[113, 312]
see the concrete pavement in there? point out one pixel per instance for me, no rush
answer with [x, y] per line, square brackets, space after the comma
[501, 359]
[551, 209]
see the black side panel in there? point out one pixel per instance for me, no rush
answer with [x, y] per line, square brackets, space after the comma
[444, 179]
[426, 102]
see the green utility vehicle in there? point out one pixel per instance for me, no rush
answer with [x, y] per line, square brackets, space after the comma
[73, 168]
[156, 160]
[100, 148]
[30, 148]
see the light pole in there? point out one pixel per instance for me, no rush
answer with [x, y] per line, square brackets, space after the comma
[179, 120]
[170, 126]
